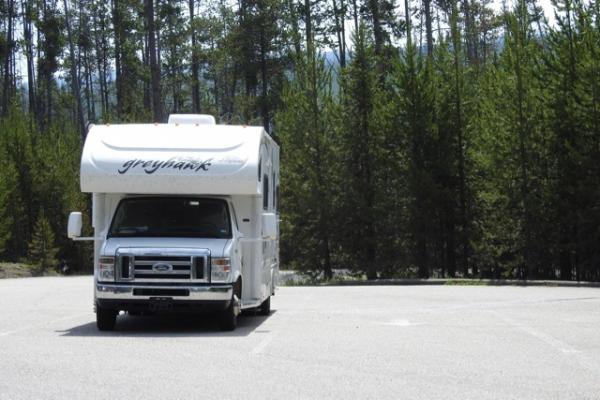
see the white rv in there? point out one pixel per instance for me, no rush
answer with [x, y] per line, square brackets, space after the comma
[184, 217]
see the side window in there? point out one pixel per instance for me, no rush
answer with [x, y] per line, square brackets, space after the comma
[276, 205]
[274, 202]
[234, 216]
[265, 192]
[259, 168]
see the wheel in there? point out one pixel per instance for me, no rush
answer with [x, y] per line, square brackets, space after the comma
[265, 307]
[228, 318]
[106, 319]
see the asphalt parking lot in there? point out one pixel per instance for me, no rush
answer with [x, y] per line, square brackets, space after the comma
[378, 342]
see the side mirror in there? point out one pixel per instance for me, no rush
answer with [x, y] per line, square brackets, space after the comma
[74, 226]
[269, 226]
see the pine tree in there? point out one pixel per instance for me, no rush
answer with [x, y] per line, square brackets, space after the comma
[416, 106]
[7, 185]
[260, 38]
[172, 25]
[130, 71]
[571, 80]
[359, 150]
[52, 41]
[457, 123]
[42, 250]
[17, 155]
[307, 129]
[521, 108]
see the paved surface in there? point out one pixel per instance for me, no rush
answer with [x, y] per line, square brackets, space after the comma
[392, 342]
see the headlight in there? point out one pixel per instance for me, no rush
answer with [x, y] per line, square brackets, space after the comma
[220, 269]
[106, 269]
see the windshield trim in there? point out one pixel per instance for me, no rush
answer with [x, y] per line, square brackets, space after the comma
[126, 199]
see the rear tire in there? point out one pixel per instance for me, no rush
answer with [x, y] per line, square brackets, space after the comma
[106, 319]
[265, 307]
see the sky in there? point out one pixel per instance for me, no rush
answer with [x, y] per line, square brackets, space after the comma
[545, 4]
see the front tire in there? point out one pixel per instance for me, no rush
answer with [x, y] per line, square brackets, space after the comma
[229, 317]
[106, 319]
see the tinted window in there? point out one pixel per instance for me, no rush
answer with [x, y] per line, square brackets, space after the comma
[171, 217]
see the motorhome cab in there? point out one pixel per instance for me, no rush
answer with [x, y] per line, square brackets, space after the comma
[184, 217]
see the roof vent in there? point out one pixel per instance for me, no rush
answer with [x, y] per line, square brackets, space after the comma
[192, 119]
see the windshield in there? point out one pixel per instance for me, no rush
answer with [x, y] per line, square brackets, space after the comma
[171, 217]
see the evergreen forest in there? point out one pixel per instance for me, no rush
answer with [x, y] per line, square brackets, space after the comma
[419, 138]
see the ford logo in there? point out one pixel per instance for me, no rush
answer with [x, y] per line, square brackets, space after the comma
[162, 267]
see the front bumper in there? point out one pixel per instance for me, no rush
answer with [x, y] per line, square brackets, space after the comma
[154, 299]
[149, 292]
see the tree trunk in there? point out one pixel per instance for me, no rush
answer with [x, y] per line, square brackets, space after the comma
[100, 49]
[377, 28]
[147, 97]
[296, 37]
[308, 25]
[88, 64]
[29, 56]
[263, 75]
[195, 67]
[74, 75]
[470, 34]
[154, 67]
[355, 15]
[118, 28]
[340, 30]
[428, 27]
[48, 82]
[8, 79]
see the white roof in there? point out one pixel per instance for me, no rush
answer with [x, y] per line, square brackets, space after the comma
[169, 158]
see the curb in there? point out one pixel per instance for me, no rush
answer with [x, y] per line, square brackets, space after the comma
[464, 282]
[451, 282]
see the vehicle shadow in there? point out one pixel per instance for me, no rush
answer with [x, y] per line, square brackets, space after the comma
[170, 326]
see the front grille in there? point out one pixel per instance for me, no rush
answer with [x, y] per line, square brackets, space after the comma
[125, 267]
[144, 267]
[162, 265]
[199, 267]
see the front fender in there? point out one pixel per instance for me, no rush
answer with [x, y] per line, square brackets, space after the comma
[237, 274]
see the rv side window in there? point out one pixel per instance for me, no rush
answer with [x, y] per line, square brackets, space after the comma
[235, 222]
[265, 192]
[259, 168]
[274, 191]
[276, 205]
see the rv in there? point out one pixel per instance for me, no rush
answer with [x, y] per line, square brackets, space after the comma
[184, 216]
